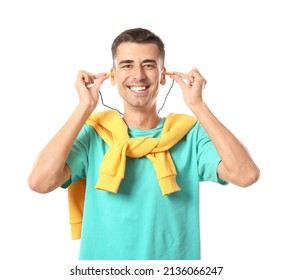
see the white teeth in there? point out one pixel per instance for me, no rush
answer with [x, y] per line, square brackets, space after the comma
[138, 88]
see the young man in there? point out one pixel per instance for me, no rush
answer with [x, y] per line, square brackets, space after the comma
[149, 167]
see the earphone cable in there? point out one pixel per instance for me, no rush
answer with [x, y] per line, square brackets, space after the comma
[166, 97]
[101, 98]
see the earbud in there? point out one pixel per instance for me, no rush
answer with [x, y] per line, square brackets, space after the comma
[168, 73]
[110, 74]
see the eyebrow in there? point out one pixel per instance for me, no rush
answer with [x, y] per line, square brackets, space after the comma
[131, 61]
[126, 61]
[149, 61]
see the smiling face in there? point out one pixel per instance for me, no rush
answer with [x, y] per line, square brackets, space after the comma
[138, 73]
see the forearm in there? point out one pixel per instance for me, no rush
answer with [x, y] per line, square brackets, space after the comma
[236, 164]
[49, 169]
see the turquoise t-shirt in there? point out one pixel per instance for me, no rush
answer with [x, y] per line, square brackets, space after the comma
[138, 223]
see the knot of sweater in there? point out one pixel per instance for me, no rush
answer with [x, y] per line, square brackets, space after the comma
[112, 129]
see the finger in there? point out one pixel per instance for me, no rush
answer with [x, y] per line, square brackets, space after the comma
[182, 75]
[96, 76]
[196, 74]
[188, 77]
[100, 78]
[93, 79]
[179, 79]
[195, 77]
[87, 80]
[86, 77]
[83, 74]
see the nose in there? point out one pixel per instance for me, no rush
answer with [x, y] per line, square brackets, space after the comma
[138, 73]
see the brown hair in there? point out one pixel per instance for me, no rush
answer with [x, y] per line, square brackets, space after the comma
[139, 36]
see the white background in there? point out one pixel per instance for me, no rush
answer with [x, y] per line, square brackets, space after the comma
[243, 48]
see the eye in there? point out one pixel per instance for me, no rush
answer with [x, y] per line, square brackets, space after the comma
[149, 66]
[126, 66]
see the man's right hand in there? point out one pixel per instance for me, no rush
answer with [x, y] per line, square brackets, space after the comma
[87, 86]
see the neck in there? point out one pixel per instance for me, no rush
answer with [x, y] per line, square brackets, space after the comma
[143, 120]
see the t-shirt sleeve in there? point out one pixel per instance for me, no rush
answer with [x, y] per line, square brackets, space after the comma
[77, 159]
[208, 158]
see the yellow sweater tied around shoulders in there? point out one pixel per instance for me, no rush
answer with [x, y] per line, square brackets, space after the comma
[113, 130]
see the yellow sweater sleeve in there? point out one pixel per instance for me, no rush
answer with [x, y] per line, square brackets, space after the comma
[76, 195]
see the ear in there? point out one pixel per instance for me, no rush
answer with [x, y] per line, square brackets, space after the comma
[163, 77]
[113, 79]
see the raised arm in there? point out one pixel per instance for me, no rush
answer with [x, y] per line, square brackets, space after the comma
[236, 164]
[50, 169]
